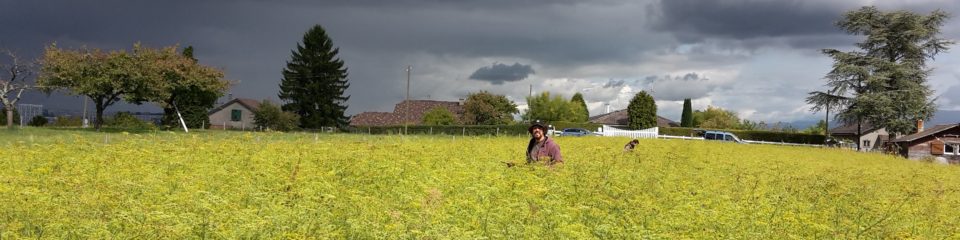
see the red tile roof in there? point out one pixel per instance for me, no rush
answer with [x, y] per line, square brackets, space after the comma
[411, 111]
[620, 118]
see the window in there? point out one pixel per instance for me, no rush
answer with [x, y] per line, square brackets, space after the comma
[709, 136]
[235, 115]
[950, 149]
[728, 138]
[866, 143]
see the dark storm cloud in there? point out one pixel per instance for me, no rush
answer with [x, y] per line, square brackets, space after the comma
[695, 20]
[498, 73]
[251, 39]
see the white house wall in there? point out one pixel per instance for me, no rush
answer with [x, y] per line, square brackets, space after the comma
[874, 138]
[221, 118]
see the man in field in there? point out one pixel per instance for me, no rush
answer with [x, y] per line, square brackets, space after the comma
[541, 147]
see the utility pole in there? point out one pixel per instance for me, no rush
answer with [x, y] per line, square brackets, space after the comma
[531, 90]
[408, 82]
[406, 114]
[83, 123]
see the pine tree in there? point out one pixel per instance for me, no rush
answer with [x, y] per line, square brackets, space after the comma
[884, 84]
[314, 82]
[686, 118]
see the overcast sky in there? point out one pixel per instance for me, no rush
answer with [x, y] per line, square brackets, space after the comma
[758, 58]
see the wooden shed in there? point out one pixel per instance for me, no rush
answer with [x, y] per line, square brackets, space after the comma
[941, 141]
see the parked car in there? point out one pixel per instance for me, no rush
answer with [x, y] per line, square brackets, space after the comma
[720, 136]
[577, 132]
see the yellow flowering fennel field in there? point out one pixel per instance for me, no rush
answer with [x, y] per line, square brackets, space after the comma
[74, 184]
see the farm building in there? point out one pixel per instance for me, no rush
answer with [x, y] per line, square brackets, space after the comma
[236, 113]
[621, 119]
[941, 141]
[872, 138]
[408, 111]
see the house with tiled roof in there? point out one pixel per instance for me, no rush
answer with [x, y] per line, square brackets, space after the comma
[406, 112]
[620, 118]
[236, 113]
[871, 138]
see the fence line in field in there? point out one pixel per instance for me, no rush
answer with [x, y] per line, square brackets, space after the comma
[744, 141]
[609, 131]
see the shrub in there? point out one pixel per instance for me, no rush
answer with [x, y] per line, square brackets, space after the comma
[126, 120]
[38, 121]
[439, 116]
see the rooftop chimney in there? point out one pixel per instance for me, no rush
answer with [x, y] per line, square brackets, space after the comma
[919, 125]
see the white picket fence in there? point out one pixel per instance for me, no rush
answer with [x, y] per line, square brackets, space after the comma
[609, 131]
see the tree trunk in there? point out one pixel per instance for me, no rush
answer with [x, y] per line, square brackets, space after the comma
[10, 118]
[859, 133]
[99, 121]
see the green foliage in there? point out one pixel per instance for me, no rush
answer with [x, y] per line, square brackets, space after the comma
[470, 130]
[38, 121]
[884, 83]
[819, 128]
[314, 82]
[716, 118]
[194, 89]
[578, 99]
[67, 121]
[642, 111]
[439, 116]
[125, 120]
[686, 118]
[545, 108]
[271, 117]
[485, 108]
[237, 185]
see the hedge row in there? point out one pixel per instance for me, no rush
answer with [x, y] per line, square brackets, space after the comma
[446, 130]
[766, 136]
[516, 129]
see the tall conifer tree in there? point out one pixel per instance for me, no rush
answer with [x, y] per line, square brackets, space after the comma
[884, 83]
[314, 82]
[686, 118]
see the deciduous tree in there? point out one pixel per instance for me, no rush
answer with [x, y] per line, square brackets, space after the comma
[271, 117]
[104, 77]
[188, 86]
[585, 113]
[716, 118]
[439, 116]
[485, 108]
[642, 111]
[13, 82]
[545, 107]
